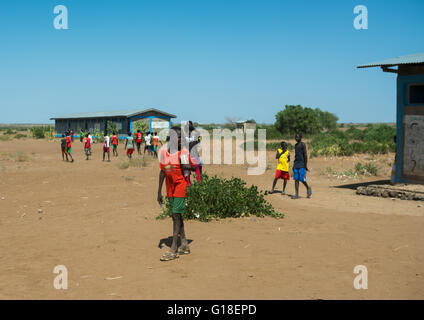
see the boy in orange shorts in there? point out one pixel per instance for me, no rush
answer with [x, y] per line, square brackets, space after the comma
[282, 172]
[174, 160]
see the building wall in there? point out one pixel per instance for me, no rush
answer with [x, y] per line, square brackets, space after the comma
[410, 130]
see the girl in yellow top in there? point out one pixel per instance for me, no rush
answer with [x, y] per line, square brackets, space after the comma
[282, 172]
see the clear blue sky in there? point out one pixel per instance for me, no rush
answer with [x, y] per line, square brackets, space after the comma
[203, 60]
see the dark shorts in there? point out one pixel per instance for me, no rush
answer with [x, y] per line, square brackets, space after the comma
[130, 151]
[299, 174]
[105, 149]
[178, 205]
[63, 150]
[282, 175]
[114, 146]
[138, 146]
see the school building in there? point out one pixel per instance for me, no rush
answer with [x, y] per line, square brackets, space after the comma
[98, 121]
[410, 115]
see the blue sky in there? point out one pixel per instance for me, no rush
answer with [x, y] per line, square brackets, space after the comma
[202, 60]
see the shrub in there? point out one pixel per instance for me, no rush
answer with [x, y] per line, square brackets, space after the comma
[333, 143]
[381, 133]
[20, 136]
[214, 198]
[367, 169]
[10, 131]
[37, 132]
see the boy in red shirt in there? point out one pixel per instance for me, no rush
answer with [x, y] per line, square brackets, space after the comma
[138, 140]
[173, 161]
[68, 146]
[87, 146]
[115, 144]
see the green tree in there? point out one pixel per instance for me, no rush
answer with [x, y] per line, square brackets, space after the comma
[328, 120]
[297, 119]
[111, 127]
[140, 125]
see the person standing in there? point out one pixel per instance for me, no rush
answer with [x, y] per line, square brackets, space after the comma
[115, 144]
[87, 146]
[147, 139]
[106, 147]
[138, 141]
[174, 160]
[68, 146]
[63, 148]
[282, 172]
[129, 145]
[300, 166]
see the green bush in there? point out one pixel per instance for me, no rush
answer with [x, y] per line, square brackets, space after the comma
[20, 136]
[381, 133]
[38, 132]
[367, 169]
[215, 198]
[10, 131]
[333, 144]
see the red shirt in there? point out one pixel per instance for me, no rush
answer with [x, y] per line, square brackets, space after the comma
[114, 139]
[68, 141]
[138, 137]
[87, 142]
[170, 164]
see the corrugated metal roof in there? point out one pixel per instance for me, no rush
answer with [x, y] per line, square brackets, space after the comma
[410, 59]
[111, 114]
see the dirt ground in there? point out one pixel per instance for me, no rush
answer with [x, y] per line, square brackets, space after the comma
[98, 220]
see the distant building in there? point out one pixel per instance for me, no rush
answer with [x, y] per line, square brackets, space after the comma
[410, 115]
[91, 121]
[246, 124]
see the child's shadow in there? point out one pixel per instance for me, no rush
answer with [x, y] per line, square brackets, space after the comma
[168, 242]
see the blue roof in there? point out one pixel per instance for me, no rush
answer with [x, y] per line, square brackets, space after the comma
[410, 59]
[112, 114]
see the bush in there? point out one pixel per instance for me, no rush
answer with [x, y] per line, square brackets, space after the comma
[367, 169]
[214, 198]
[381, 133]
[37, 132]
[20, 136]
[10, 131]
[333, 143]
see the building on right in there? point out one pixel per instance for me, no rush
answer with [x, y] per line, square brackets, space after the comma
[409, 167]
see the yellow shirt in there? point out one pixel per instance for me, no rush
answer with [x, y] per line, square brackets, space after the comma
[283, 161]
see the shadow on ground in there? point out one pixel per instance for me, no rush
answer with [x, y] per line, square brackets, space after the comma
[168, 242]
[354, 186]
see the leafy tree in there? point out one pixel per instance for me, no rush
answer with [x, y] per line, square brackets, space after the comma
[328, 120]
[298, 119]
[111, 127]
[140, 125]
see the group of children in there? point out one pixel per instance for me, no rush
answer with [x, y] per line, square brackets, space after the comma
[152, 143]
[300, 167]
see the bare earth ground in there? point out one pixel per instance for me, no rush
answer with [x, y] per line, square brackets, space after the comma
[99, 221]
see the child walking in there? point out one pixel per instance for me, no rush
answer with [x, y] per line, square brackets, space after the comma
[129, 145]
[115, 144]
[300, 166]
[106, 147]
[87, 146]
[68, 146]
[173, 162]
[282, 172]
[63, 147]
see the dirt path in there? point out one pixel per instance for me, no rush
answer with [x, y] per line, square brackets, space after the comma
[99, 221]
